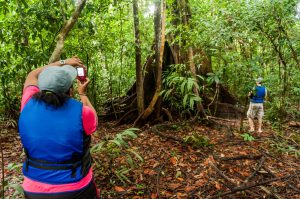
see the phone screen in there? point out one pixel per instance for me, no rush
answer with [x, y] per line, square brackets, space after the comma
[80, 72]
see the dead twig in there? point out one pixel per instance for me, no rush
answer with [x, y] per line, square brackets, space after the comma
[218, 118]
[157, 180]
[242, 157]
[250, 185]
[226, 178]
[258, 167]
[273, 175]
[157, 132]
[271, 193]
[221, 173]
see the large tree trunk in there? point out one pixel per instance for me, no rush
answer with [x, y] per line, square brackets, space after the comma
[138, 65]
[65, 31]
[166, 56]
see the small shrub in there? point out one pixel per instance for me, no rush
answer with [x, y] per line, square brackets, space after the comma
[247, 137]
[197, 141]
[284, 147]
[111, 150]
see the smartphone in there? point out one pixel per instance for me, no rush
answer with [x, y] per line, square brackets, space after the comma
[81, 74]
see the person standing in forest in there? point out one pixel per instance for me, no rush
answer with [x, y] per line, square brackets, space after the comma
[55, 131]
[256, 108]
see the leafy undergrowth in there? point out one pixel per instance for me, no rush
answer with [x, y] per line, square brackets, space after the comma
[183, 160]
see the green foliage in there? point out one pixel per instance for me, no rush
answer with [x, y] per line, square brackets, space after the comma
[245, 39]
[14, 182]
[197, 141]
[287, 144]
[118, 148]
[284, 147]
[241, 39]
[102, 38]
[214, 78]
[247, 137]
[178, 88]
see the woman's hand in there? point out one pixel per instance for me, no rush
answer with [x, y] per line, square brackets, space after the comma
[74, 61]
[82, 86]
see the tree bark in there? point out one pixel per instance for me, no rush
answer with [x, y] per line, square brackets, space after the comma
[65, 31]
[159, 23]
[186, 14]
[138, 65]
[199, 105]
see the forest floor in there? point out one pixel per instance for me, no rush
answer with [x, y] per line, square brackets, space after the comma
[183, 160]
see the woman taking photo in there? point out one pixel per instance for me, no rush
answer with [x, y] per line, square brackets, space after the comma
[55, 131]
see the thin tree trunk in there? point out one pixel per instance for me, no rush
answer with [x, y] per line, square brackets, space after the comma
[65, 31]
[121, 50]
[159, 23]
[186, 13]
[294, 52]
[277, 50]
[138, 65]
[199, 105]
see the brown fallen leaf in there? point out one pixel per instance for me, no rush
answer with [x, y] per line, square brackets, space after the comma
[174, 186]
[136, 197]
[180, 179]
[150, 172]
[217, 185]
[167, 194]
[193, 158]
[119, 189]
[200, 183]
[153, 195]
[173, 160]
[189, 188]
[190, 149]
[181, 195]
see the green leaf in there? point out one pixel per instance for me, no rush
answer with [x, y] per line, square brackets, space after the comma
[182, 87]
[117, 142]
[192, 102]
[185, 100]
[136, 154]
[13, 166]
[17, 187]
[97, 147]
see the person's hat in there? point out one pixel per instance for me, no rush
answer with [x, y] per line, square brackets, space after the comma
[259, 80]
[57, 79]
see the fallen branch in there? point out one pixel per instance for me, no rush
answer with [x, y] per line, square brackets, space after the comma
[294, 124]
[251, 185]
[157, 180]
[262, 160]
[226, 178]
[270, 193]
[218, 118]
[221, 173]
[242, 157]
[273, 175]
[157, 132]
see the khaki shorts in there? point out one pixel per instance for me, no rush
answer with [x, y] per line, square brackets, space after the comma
[256, 110]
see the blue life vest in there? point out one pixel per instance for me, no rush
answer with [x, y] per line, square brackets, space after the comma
[260, 93]
[55, 144]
